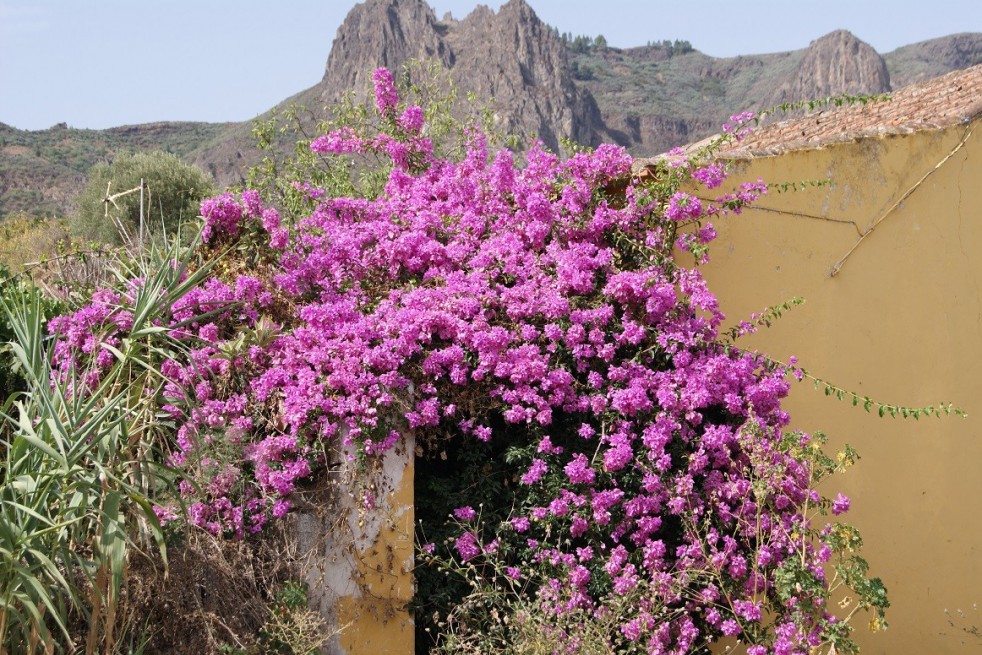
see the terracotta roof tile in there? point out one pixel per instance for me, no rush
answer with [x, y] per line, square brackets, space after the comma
[945, 101]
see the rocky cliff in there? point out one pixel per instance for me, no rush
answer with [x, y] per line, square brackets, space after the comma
[511, 60]
[835, 64]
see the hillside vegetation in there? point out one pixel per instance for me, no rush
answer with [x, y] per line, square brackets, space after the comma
[535, 80]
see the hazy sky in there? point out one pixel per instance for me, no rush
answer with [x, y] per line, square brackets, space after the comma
[102, 63]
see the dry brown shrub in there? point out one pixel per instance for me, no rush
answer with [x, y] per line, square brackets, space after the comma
[28, 239]
[218, 596]
[41, 248]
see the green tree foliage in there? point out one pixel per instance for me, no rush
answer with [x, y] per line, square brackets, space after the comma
[578, 44]
[173, 191]
[676, 47]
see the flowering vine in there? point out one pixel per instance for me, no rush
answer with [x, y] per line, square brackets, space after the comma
[478, 298]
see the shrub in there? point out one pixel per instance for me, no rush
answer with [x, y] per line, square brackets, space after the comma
[25, 240]
[540, 308]
[172, 195]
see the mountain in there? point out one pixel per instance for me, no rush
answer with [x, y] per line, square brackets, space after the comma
[42, 171]
[657, 97]
[510, 59]
[927, 59]
[834, 64]
[534, 80]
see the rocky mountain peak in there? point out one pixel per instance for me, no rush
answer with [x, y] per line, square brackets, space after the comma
[510, 59]
[839, 63]
[381, 33]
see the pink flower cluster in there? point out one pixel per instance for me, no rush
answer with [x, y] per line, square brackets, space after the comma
[222, 215]
[405, 146]
[386, 94]
[522, 286]
[83, 350]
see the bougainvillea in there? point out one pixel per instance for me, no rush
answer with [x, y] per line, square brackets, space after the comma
[543, 299]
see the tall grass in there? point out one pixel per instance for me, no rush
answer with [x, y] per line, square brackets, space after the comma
[79, 470]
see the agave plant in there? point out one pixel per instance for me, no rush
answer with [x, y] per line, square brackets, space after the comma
[81, 462]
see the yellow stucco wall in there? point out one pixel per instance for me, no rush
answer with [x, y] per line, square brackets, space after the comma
[357, 553]
[901, 322]
[377, 619]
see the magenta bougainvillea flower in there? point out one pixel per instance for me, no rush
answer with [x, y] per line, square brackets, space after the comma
[660, 472]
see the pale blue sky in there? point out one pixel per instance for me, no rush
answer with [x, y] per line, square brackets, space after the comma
[102, 63]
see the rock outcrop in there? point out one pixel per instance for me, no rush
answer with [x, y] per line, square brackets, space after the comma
[838, 63]
[510, 60]
[381, 33]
